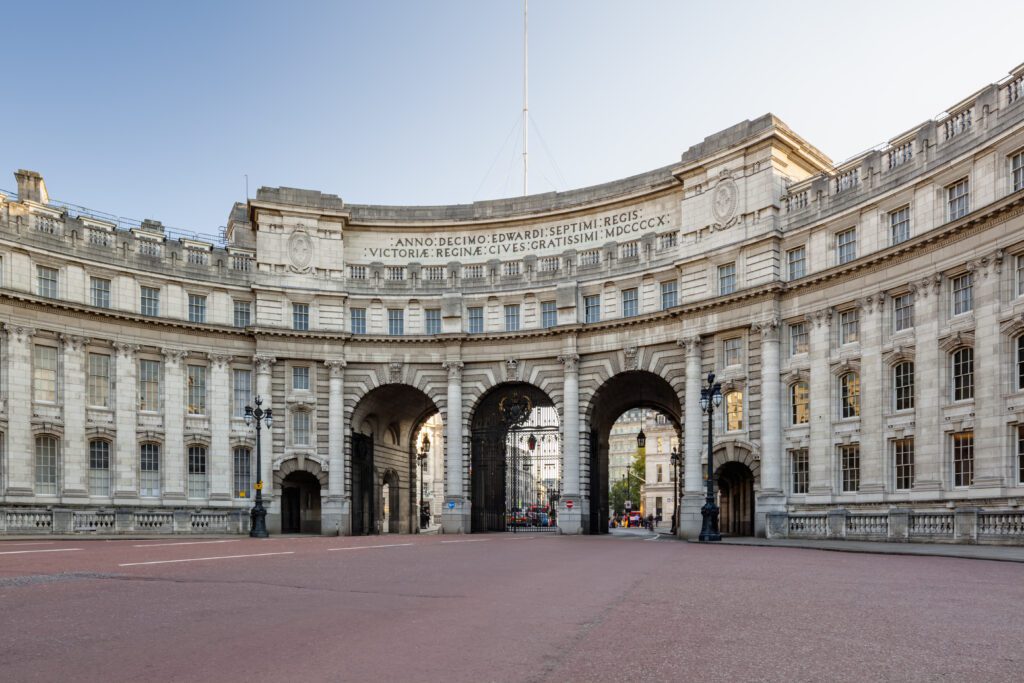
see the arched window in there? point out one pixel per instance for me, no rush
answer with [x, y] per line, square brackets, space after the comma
[99, 468]
[734, 411]
[243, 471]
[963, 374]
[46, 465]
[197, 483]
[800, 403]
[849, 395]
[903, 386]
[300, 428]
[149, 470]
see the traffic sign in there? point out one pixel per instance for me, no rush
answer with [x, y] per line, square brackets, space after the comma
[259, 486]
[451, 504]
[629, 505]
[569, 504]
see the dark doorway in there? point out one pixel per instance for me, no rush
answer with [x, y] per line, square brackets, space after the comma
[300, 504]
[363, 516]
[736, 499]
[391, 501]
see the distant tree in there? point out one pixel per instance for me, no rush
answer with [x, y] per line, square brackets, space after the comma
[622, 491]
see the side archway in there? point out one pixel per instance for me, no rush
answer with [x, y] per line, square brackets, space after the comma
[737, 478]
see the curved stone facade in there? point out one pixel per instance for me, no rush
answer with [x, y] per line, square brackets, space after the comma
[864, 320]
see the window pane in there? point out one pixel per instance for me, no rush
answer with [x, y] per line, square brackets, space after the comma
[846, 246]
[549, 314]
[196, 398]
[149, 385]
[849, 464]
[800, 400]
[300, 317]
[300, 378]
[903, 463]
[357, 317]
[727, 278]
[849, 395]
[592, 308]
[396, 321]
[669, 294]
[734, 411]
[197, 487]
[899, 225]
[243, 390]
[46, 465]
[243, 313]
[150, 301]
[99, 468]
[800, 468]
[963, 458]
[797, 262]
[44, 373]
[196, 308]
[903, 386]
[630, 303]
[149, 470]
[512, 318]
[100, 291]
[433, 321]
[963, 374]
[98, 389]
[243, 472]
[476, 319]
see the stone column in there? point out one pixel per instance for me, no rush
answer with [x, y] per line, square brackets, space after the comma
[928, 397]
[771, 497]
[220, 456]
[264, 365]
[74, 450]
[455, 519]
[873, 399]
[570, 519]
[335, 514]
[173, 464]
[821, 407]
[126, 421]
[693, 442]
[990, 471]
[20, 444]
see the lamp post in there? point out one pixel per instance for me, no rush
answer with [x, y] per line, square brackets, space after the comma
[258, 514]
[422, 457]
[677, 461]
[710, 398]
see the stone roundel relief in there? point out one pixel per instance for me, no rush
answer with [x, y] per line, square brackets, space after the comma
[300, 249]
[724, 200]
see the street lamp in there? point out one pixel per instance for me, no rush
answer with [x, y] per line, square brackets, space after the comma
[677, 464]
[258, 514]
[422, 457]
[710, 398]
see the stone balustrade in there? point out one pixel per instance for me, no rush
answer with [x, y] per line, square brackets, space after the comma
[65, 521]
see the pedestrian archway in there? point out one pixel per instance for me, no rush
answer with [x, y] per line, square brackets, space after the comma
[384, 467]
[736, 474]
[632, 396]
[516, 460]
[300, 503]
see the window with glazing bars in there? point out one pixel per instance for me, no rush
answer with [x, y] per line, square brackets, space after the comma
[357, 320]
[46, 465]
[548, 314]
[242, 387]
[196, 389]
[1020, 454]
[99, 289]
[149, 385]
[98, 385]
[99, 468]
[149, 470]
[846, 246]
[800, 403]
[963, 458]
[849, 468]
[963, 374]
[242, 458]
[799, 338]
[903, 463]
[300, 317]
[44, 373]
[512, 317]
[800, 469]
[903, 386]
[475, 319]
[902, 312]
[849, 326]
[592, 308]
[899, 225]
[1017, 166]
[300, 377]
[432, 321]
[630, 302]
[733, 351]
[958, 199]
[196, 308]
[734, 411]
[1020, 275]
[727, 278]
[149, 301]
[669, 294]
[300, 428]
[1020, 362]
[396, 322]
[796, 263]
[849, 395]
[243, 313]
[197, 487]
[963, 293]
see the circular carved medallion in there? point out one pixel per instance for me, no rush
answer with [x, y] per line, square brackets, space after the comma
[300, 250]
[723, 201]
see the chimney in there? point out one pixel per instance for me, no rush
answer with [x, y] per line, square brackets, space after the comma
[31, 187]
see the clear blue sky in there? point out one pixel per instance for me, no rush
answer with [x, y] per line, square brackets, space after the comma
[157, 109]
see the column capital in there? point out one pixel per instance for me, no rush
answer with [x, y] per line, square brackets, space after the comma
[263, 363]
[822, 316]
[769, 328]
[126, 350]
[73, 342]
[174, 357]
[220, 361]
[19, 333]
[336, 366]
[454, 368]
[571, 361]
[692, 344]
[925, 286]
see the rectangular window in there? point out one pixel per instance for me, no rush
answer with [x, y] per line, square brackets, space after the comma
[963, 293]
[197, 472]
[149, 470]
[512, 317]
[46, 465]
[799, 338]
[475, 319]
[44, 373]
[1017, 167]
[796, 263]
[300, 378]
[432, 321]
[357, 320]
[958, 199]
[849, 468]
[846, 246]
[733, 351]
[300, 428]
[1020, 454]
[46, 281]
[660, 474]
[903, 386]
[196, 389]
[1020, 362]
[149, 298]
[630, 303]
[196, 308]
[727, 278]
[963, 374]
[300, 317]
[592, 308]
[98, 389]
[800, 468]
[99, 468]
[243, 471]
[242, 390]
[963, 458]
[899, 225]
[903, 463]
[149, 385]
[1020, 275]
[902, 312]
[243, 313]
[99, 290]
[396, 322]
[548, 314]
[849, 326]
[669, 294]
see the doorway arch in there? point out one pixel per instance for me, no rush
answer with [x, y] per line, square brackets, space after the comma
[737, 472]
[300, 503]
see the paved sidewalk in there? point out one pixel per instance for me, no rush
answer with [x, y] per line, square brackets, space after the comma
[973, 552]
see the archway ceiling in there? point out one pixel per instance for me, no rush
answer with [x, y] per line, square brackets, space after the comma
[634, 389]
[392, 404]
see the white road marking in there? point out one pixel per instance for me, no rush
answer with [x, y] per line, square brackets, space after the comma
[160, 545]
[469, 540]
[50, 550]
[7, 543]
[201, 559]
[368, 547]
[655, 538]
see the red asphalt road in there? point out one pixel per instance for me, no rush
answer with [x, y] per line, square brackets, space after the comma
[500, 608]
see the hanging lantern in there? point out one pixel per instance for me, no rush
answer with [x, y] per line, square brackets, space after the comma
[641, 442]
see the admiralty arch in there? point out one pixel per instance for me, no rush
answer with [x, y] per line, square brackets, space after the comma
[865, 320]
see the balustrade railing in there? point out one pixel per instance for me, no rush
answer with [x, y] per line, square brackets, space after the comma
[1002, 524]
[900, 155]
[29, 520]
[931, 524]
[154, 521]
[847, 180]
[958, 123]
[94, 521]
[1015, 90]
[808, 525]
[210, 521]
[870, 525]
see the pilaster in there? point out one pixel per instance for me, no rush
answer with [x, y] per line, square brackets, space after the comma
[928, 391]
[693, 442]
[821, 406]
[771, 497]
[19, 409]
[873, 398]
[455, 519]
[220, 428]
[74, 449]
[335, 515]
[173, 464]
[264, 366]
[570, 518]
[989, 439]
[125, 421]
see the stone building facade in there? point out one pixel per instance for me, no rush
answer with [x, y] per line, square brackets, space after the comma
[865, 320]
